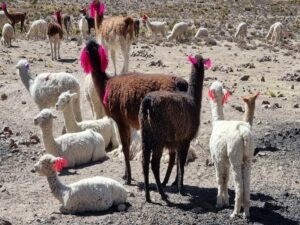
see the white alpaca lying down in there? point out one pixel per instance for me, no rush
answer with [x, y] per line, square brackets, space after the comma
[90, 194]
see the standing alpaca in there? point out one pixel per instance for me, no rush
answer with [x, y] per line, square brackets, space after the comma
[231, 145]
[113, 33]
[121, 95]
[46, 87]
[90, 20]
[171, 120]
[78, 148]
[155, 27]
[241, 32]
[89, 194]
[105, 126]
[250, 107]
[7, 34]
[275, 33]
[83, 27]
[15, 17]
[55, 35]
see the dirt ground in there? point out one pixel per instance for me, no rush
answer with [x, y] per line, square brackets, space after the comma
[25, 197]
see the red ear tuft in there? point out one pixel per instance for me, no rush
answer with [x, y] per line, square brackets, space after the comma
[226, 97]
[101, 9]
[93, 9]
[192, 59]
[85, 61]
[145, 17]
[211, 95]
[207, 64]
[103, 57]
[59, 164]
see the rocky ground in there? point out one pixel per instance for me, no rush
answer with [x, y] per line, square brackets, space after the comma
[25, 197]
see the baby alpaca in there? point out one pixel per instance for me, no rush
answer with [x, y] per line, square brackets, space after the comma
[78, 148]
[7, 34]
[231, 145]
[275, 33]
[202, 33]
[155, 27]
[105, 126]
[241, 31]
[89, 194]
[178, 31]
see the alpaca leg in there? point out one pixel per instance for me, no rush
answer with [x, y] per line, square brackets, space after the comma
[55, 46]
[58, 48]
[172, 154]
[239, 190]
[113, 58]
[146, 145]
[155, 166]
[246, 177]
[220, 181]
[225, 184]
[182, 154]
[51, 46]
[125, 47]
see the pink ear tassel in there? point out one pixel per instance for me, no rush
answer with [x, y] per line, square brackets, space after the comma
[59, 164]
[226, 97]
[192, 59]
[211, 95]
[103, 56]
[85, 61]
[207, 64]
[101, 9]
[93, 9]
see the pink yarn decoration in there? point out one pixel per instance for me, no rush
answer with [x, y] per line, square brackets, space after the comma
[144, 17]
[3, 5]
[105, 97]
[85, 61]
[103, 57]
[211, 95]
[207, 64]
[59, 164]
[225, 98]
[192, 59]
[96, 7]
[101, 9]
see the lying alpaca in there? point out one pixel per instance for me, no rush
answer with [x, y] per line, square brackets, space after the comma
[89, 194]
[171, 120]
[231, 145]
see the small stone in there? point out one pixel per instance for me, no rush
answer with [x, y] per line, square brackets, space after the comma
[53, 218]
[33, 158]
[239, 108]
[259, 122]
[265, 102]
[262, 79]
[296, 106]
[292, 87]
[23, 102]
[131, 194]
[280, 96]
[32, 170]
[245, 77]
[3, 97]
[262, 154]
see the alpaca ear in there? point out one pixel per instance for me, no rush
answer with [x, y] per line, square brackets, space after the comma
[54, 117]
[211, 95]
[207, 63]
[74, 95]
[85, 61]
[226, 96]
[245, 99]
[257, 94]
[59, 164]
[192, 59]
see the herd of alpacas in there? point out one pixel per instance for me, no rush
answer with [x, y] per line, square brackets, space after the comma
[132, 113]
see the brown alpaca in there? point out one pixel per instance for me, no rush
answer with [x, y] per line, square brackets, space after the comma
[55, 35]
[15, 17]
[121, 95]
[114, 33]
[249, 107]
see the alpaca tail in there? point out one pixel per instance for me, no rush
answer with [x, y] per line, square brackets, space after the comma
[145, 110]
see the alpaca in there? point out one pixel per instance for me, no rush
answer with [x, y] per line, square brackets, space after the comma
[38, 29]
[46, 87]
[241, 31]
[55, 35]
[178, 31]
[202, 32]
[231, 145]
[275, 33]
[67, 21]
[78, 148]
[250, 107]
[155, 27]
[7, 34]
[93, 99]
[83, 27]
[90, 20]
[121, 95]
[15, 17]
[89, 194]
[162, 125]
[113, 33]
[105, 126]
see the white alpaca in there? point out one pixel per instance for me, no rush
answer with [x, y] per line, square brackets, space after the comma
[202, 32]
[3, 19]
[83, 27]
[178, 31]
[89, 194]
[155, 27]
[7, 34]
[38, 29]
[78, 148]
[241, 31]
[46, 87]
[275, 33]
[105, 126]
[231, 144]
[93, 98]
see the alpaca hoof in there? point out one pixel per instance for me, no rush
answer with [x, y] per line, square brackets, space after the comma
[164, 197]
[164, 184]
[233, 215]
[246, 215]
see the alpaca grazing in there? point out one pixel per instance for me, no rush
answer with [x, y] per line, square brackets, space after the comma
[7, 34]
[171, 120]
[46, 87]
[241, 32]
[17, 17]
[87, 195]
[38, 29]
[231, 145]
[114, 33]
[275, 33]
[55, 35]
[121, 95]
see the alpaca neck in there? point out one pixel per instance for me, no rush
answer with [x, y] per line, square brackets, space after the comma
[8, 15]
[57, 188]
[217, 111]
[100, 79]
[70, 120]
[196, 86]
[27, 80]
[148, 25]
[98, 21]
[48, 139]
[249, 114]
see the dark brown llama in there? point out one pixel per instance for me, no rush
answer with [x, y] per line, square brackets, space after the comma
[15, 17]
[121, 95]
[171, 120]
[55, 35]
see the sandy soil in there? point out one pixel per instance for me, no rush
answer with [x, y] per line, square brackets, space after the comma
[25, 197]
